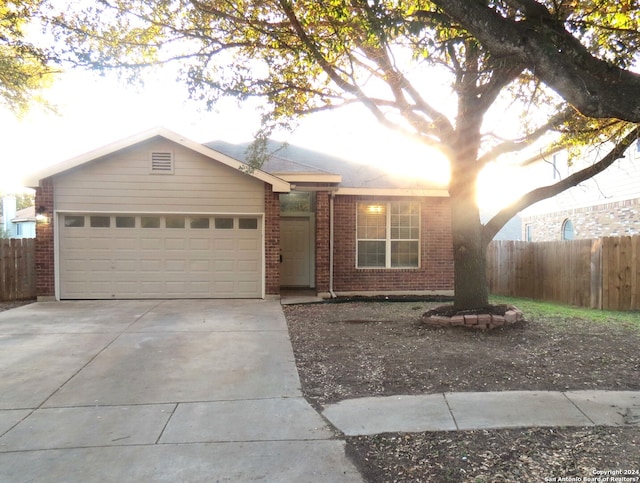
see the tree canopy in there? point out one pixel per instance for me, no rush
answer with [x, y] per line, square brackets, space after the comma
[537, 66]
[583, 49]
[24, 67]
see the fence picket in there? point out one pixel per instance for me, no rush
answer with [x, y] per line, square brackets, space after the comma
[17, 269]
[602, 273]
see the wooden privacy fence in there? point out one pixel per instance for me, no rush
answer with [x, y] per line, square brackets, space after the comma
[602, 273]
[17, 269]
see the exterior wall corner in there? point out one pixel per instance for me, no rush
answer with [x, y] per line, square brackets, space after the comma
[45, 241]
[272, 241]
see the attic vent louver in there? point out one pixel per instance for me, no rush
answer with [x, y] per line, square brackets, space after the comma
[162, 163]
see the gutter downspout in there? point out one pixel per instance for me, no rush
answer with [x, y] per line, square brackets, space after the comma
[331, 198]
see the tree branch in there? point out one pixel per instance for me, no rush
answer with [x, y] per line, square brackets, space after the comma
[593, 86]
[527, 140]
[494, 225]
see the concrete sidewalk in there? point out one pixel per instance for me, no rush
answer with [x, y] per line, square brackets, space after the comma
[484, 410]
[158, 391]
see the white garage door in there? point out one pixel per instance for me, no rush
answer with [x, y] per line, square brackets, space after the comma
[107, 256]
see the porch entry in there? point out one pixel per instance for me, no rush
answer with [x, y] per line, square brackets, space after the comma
[296, 242]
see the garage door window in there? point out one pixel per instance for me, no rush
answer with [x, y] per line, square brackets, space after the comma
[150, 222]
[175, 221]
[100, 221]
[199, 223]
[73, 221]
[125, 221]
[224, 223]
[248, 223]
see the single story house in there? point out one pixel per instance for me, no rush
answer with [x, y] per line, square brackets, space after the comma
[17, 223]
[159, 216]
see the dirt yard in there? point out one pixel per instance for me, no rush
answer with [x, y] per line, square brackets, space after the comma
[13, 304]
[356, 349]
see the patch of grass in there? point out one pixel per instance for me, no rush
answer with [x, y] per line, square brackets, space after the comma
[554, 312]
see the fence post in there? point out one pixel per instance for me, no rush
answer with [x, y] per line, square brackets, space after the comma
[596, 274]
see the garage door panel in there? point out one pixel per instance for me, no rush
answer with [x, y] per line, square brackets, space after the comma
[249, 266]
[199, 244]
[247, 245]
[223, 266]
[247, 286]
[100, 288]
[175, 244]
[126, 265]
[224, 287]
[76, 243]
[150, 243]
[175, 266]
[199, 266]
[101, 243]
[224, 245]
[155, 262]
[96, 265]
[176, 288]
[126, 287]
[200, 289]
[76, 265]
[126, 243]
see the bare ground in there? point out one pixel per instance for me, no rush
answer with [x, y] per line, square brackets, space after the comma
[6, 305]
[359, 349]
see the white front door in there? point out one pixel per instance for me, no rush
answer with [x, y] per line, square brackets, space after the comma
[295, 242]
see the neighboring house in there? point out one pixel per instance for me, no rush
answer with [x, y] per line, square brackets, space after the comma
[159, 216]
[17, 223]
[606, 205]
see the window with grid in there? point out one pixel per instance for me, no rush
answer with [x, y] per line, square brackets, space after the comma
[388, 235]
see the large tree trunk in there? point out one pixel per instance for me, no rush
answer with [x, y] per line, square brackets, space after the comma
[469, 249]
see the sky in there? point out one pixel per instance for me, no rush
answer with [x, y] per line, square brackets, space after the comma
[94, 111]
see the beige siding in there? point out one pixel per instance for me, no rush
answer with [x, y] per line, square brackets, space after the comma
[123, 182]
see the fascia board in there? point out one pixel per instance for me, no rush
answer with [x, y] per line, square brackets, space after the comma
[435, 192]
[279, 185]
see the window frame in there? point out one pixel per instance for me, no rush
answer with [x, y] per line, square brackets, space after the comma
[388, 240]
[567, 231]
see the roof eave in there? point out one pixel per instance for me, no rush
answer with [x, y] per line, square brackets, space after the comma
[428, 192]
[309, 177]
[278, 185]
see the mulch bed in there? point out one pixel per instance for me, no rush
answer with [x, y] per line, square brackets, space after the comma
[361, 348]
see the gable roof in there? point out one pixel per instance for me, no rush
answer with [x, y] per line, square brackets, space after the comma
[25, 214]
[22, 216]
[278, 184]
[281, 163]
[297, 164]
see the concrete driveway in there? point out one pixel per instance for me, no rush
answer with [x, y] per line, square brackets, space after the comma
[151, 391]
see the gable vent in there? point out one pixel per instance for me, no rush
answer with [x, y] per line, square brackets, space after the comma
[162, 162]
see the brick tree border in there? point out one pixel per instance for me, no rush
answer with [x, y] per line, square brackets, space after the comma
[45, 261]
[475, 321]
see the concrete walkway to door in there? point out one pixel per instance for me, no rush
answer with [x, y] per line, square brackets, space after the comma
[175, 391]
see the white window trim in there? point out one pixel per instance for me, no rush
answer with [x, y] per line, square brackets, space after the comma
[388, 238]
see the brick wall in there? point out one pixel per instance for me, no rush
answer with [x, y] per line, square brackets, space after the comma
[45, 265]
[619, 218]
[322, 241]
[272, 240]
[436, 256]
